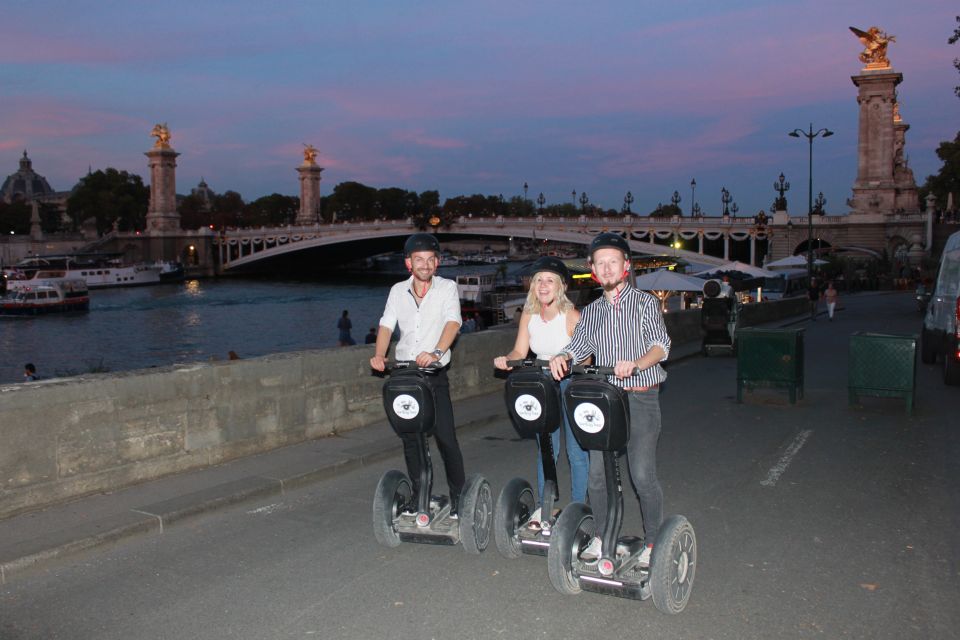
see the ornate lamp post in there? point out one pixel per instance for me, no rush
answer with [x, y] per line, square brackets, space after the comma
[583, 202]
[781, 187]
[819, 203]
[675, 201]
[733, 209]
[810, 135]
[696, 210]
[693, 197]
[726, 199]
[525, 187]
[540, 201]
[627, 201]
[573, 196]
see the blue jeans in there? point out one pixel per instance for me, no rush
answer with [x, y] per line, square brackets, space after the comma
[578, 458]
[642, 462]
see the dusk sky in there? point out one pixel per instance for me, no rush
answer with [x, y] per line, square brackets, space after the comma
[478, 97]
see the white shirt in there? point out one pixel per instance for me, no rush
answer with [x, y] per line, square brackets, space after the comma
[421, 327]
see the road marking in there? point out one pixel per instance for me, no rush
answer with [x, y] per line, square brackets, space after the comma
[266, 510]
[777, 470]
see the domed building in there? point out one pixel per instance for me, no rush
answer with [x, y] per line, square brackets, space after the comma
[25, 184]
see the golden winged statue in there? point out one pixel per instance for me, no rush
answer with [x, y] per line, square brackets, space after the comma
[875, 42]
[162, 134]
[309, 154]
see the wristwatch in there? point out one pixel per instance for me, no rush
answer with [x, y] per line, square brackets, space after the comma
[438, 352]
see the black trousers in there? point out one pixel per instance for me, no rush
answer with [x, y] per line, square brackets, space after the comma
[445, 435]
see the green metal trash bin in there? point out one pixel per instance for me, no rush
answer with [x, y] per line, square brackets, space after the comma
[883, 365]
[770, 358]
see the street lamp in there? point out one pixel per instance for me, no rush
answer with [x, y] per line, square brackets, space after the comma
[696, 210]
[540, 202]
[733, 209]
[810, 135]
[525, 187]
[726, 199]
[675, 201]
[693, 197]
[627, 201]
[583, 201]
[819, 203]
[573, 195]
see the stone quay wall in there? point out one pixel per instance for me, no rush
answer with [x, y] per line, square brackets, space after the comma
[68, 437]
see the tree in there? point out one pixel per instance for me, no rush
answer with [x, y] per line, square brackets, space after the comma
[110, 196]
[227, 210]
[14, 217]
[956, 61]
[193, 212]
[274, 210]
[947, 179]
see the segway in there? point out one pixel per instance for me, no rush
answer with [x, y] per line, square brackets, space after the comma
[533, 402]
[599, 413]
[410, 408]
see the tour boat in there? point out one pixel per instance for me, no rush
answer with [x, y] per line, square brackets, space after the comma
[97, 270]
[53, 296]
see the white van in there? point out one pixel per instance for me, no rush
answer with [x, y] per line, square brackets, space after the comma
[786, 284]
[941, 326]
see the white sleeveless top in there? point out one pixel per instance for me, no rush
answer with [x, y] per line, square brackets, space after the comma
[548, 338]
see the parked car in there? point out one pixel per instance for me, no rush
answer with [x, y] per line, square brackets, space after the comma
[940, 337]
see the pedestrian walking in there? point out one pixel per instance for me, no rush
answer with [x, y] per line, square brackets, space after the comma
[830, 296]
[545, 327]
[426, 307]
[623, 329]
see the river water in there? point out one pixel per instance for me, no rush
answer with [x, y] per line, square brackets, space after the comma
[197, 320]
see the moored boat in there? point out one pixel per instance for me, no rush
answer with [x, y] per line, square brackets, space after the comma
[97, 270]
[52, 296]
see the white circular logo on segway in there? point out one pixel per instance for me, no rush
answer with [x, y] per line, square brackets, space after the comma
[406, 407]
[528, 407]
[588, 417]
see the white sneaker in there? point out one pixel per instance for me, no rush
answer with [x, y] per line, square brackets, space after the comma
[644, 559]
[591, 553]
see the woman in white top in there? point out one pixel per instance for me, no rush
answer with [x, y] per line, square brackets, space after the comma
[545, 327]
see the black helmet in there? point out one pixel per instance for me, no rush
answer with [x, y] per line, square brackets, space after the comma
[553, 265]
[612, 240]
[421, 242]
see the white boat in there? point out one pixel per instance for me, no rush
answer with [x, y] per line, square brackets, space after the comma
[97, 270]
[474, 286]
[55, 296]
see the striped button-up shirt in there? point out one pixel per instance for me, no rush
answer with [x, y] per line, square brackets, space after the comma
[624, 329]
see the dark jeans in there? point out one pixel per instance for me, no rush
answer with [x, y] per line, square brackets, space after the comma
[642, 462]
[445, 435]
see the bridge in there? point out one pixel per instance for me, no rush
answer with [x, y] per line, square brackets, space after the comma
[237, 248]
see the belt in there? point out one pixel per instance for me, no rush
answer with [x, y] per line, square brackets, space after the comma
[653, 386]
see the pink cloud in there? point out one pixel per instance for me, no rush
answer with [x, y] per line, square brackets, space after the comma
[420, 138]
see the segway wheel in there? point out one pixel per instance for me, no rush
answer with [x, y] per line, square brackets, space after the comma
[514, 506]
[673, 565]
[393, 491]
[572, 532]
[476, 514]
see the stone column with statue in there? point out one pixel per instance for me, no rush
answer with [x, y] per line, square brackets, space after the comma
[309, 171]
[162, 215]
[884, 184]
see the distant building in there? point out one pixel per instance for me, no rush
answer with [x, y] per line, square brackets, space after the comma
[204, 193]
[26, 184]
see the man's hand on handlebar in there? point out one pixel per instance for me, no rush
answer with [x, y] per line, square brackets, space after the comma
[625, 368]
[378, 363]
[425, 359]
[500, 362]
[558, 366]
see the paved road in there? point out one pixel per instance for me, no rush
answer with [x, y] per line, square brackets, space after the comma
[856, 539]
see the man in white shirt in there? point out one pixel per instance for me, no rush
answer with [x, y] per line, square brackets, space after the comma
[427, 309]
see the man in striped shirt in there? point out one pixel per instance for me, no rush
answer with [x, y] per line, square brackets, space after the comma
[624, 329]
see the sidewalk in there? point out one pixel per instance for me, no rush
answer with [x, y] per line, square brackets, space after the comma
[29, 541]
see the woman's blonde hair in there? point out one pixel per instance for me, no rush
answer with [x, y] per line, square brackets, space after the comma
[532, 305]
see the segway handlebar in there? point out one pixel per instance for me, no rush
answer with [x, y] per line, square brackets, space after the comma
[597, 370]
[397, 365]
[529, 362]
